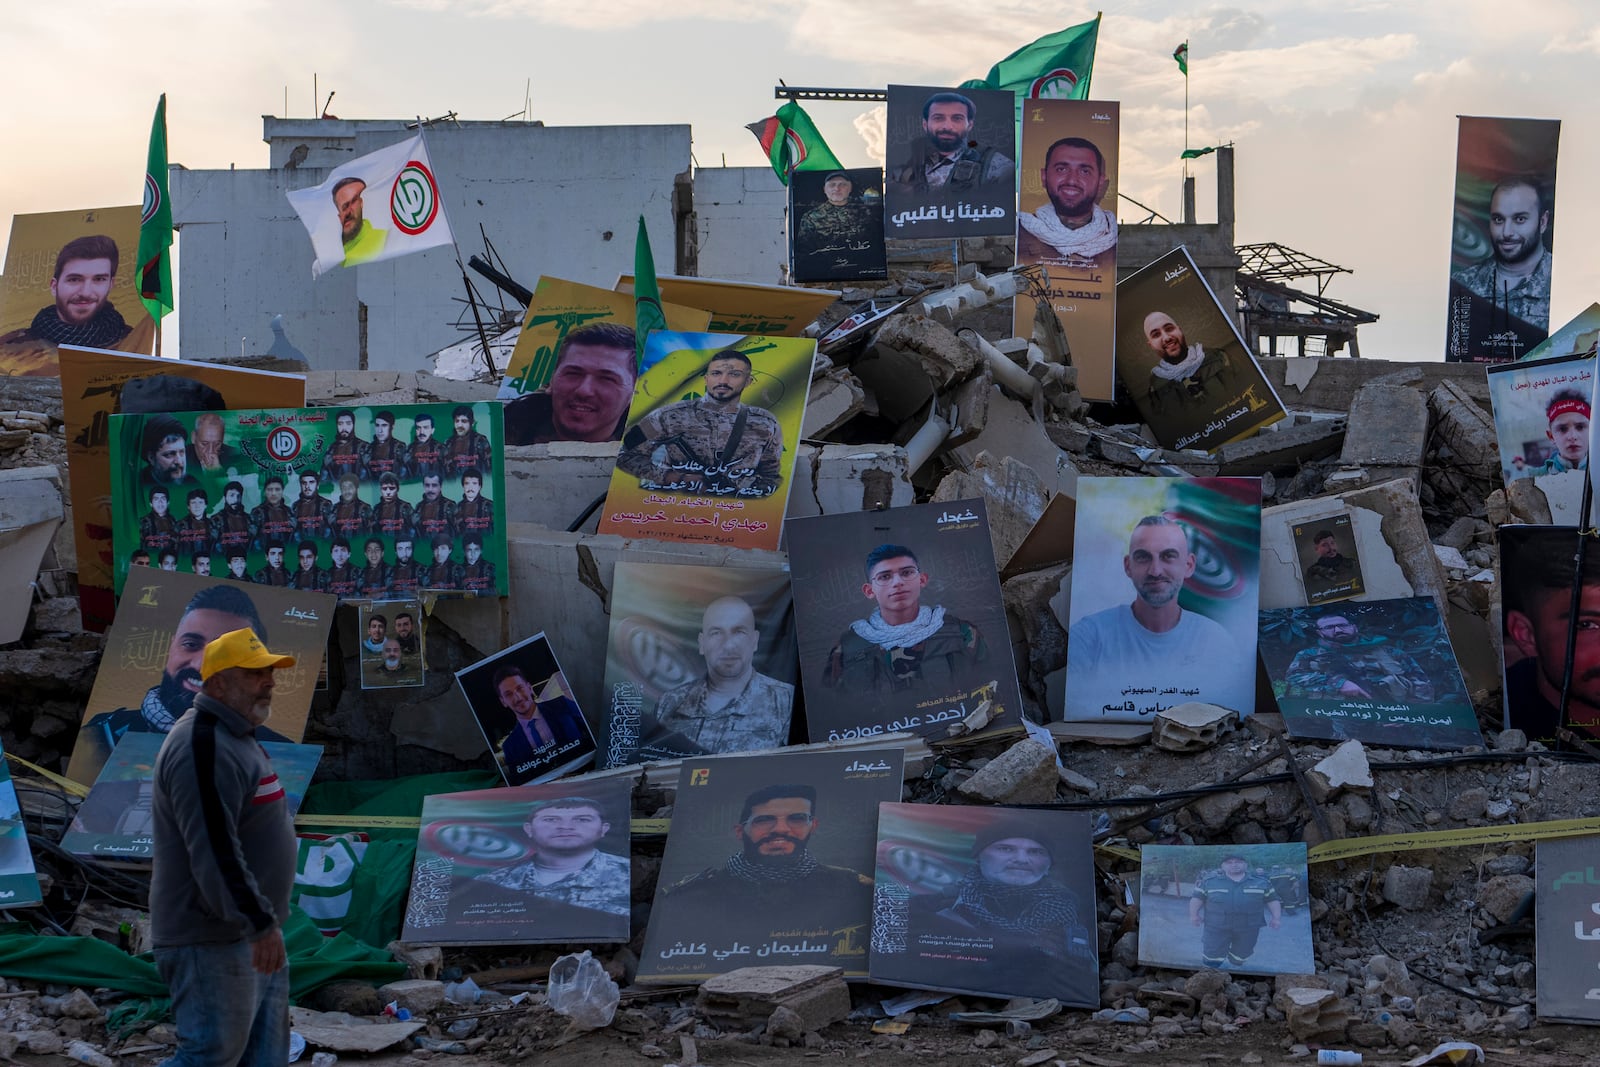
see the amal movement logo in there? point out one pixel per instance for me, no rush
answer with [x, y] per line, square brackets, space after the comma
[1058, 84]
[152, 199]
[414, 200]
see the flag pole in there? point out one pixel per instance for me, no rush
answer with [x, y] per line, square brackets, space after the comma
[1186, 106]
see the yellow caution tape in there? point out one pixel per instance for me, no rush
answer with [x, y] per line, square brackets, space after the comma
[644, 827]
[77, 789]
[1472, 835]
[1122, 852]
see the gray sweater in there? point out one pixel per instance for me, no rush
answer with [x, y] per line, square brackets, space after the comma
[224, 852]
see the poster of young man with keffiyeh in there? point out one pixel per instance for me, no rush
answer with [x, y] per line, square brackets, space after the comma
[1067, 225]
[993, 901]
[73, 262]
[1182, 361]
[901, 624]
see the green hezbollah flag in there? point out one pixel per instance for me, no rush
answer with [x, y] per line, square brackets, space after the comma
[1055, 67]
[155, 224]
[647, 313]
[791, 142]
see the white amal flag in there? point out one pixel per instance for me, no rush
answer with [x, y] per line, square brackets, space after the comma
[380, 206]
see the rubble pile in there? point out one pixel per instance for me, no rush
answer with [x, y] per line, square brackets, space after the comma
[1411, 946]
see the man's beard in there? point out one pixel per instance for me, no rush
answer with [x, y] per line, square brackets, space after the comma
[172, 693]
[1157, 598]
[753, 853]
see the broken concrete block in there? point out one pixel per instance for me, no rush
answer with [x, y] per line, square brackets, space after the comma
[836, 398]
[1466, 428]
[1346, 767]
[1216, 810]
[1285, 449]
[1451, 559]
[1407, 887]
[1076, 782]
[422, 961]
[1191, 726]
[1025, 773]
[944, 357]
[969, 408]
[1504, 896]
[1387, 432]
[816, 994]
[1313, 1014]
[418, 995]
[1029, 599]
[785, 1022]
[1012, 492]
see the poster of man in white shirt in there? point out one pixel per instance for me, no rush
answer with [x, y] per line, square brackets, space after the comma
[1189, 548]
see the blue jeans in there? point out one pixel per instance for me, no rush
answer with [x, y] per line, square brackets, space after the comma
[228, 1015]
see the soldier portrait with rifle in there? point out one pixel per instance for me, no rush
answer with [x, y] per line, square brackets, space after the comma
[710, 445]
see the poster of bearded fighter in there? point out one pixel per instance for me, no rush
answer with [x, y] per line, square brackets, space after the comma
[1067, 226]
[79, 266]
[993, 901]
[150, 671]
[769, 862]
[1502, 236]
[1183, 362]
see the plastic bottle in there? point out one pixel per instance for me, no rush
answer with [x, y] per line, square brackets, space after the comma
[84, 1052]
[1338, 1057]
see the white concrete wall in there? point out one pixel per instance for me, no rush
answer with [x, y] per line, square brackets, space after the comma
[739, 224]
[559, 200]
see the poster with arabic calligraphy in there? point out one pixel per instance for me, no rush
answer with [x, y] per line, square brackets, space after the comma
[1502, 236]
[1378, 671]
[1067, 230]
[1543, 423]
[150, 670]
[1183, 362]
[711, 438]
[1567, 929]
[998, 902]
[901, 623]
[367, 502]
[114, 821]
[951, 162]
[524, 705]
[699, 660]
[1165, 591]
[769, 862]
[836, 225]
[527, 865]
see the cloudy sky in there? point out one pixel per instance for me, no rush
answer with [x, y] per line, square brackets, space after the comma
[1342, 111]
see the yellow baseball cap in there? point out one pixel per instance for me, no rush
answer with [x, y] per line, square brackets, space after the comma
[239, 648]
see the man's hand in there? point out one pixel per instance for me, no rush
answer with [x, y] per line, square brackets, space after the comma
[1351, 689]
[267, 954]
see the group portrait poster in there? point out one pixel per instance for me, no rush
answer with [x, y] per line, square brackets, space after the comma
[97, 384]
[366, 502]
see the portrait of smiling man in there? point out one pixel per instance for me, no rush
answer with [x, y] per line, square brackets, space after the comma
[1071, 224]
[589, 391]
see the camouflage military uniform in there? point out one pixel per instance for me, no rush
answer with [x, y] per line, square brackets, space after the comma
[474, 516]
[231, 531]
[194, 536]
[272, 576]
[374, 581]
[311, 581]
[272, 524]
[405, 578]
[1384, 672]
[341, 581]
[1528, 300]
[757, 718]
[383, 457]
[600, 885]
[422, 459]
[444, 575]
[834, 224]
[461, 454]
[689, 447]
[478, 577]
[393, 517]
[345, 456]
[313, 517]
[351, 520]
[157, 532]
[434, 517]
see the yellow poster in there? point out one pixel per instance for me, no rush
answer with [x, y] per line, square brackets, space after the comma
[709, 450]
[740, 307]
[560, 308]
[69, 280]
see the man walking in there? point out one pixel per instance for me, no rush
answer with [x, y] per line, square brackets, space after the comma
[224, 862]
